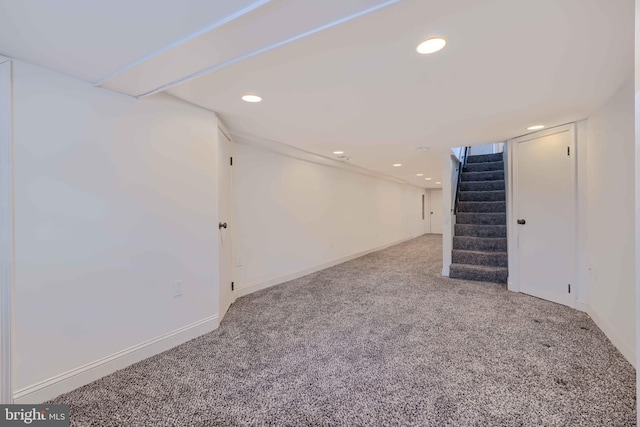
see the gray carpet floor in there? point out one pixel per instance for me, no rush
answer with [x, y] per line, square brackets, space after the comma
[380, 340]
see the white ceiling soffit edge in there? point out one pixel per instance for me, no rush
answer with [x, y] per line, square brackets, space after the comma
[183, 41]
[259, 28]
[307, 156]
[4, 59]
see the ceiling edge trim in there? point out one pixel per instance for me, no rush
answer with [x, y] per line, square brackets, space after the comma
[267, 48]
[307, 156]
[184, 40]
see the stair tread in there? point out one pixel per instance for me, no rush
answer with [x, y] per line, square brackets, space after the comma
[480, 252]
[481, 238]
[481, 182]
[482, 195]
[483, 172]
[483, 225]
[481, 267]
[494, 206]
[483, 166]
[483, 213]
[482, 202]
[485, 158]
[481, 244]
[482, 191]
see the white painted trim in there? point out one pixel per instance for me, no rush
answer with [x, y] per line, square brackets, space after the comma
[224, 129]
[250, 288]
[268, 48]
[582, 252]
[582, 305]
[201, 32]
[512, 207]
[512, 201]
[6, 231]
[450, 165]
[307, 156]
[90, 372]
[616, 338]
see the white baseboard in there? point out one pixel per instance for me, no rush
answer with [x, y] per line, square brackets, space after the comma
[247, 289]
[627, 350]
[70, 380]
[445, 271]
[582, 305]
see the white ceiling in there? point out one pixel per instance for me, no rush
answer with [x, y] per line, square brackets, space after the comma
[357, 85]
[92, 39]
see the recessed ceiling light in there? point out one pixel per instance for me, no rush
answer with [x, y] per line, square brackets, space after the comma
[338, 152]
[438, 182]
[431, 45]
[427, 179]
[536, 127]
[397, 165]
[422, 149]
[251, 98]
[419, 174]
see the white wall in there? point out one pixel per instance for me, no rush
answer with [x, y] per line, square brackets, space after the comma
[637, 216]
[450, 164]
[611, 219]
[114, 200]
[477, 150]
[6, 230]
[293, 216]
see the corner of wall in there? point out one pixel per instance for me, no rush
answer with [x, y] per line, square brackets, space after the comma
[616, 338]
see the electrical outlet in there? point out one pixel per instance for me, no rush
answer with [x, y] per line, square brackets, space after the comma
[177, 288]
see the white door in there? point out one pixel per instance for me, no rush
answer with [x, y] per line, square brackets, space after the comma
[426, 211]
[545, 214]
[435, 204]
[225, 155]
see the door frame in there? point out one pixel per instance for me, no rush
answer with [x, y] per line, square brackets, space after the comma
[427, 211]
[513, 232]
[231, 234]
[6, 231]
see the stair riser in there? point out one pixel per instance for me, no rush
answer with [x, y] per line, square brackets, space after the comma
[479, 244]
[484, 167]
[482, 186]
[481, 219]
[482, 196]
[483, 158]
[460, 272]
[482, 207]
[483, 176]
[480, 230]
[488, 258]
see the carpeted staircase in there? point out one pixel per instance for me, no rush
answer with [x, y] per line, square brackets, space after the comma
[480, 240]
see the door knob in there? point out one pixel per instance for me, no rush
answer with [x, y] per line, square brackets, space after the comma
[522, 222]
[222, 225]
